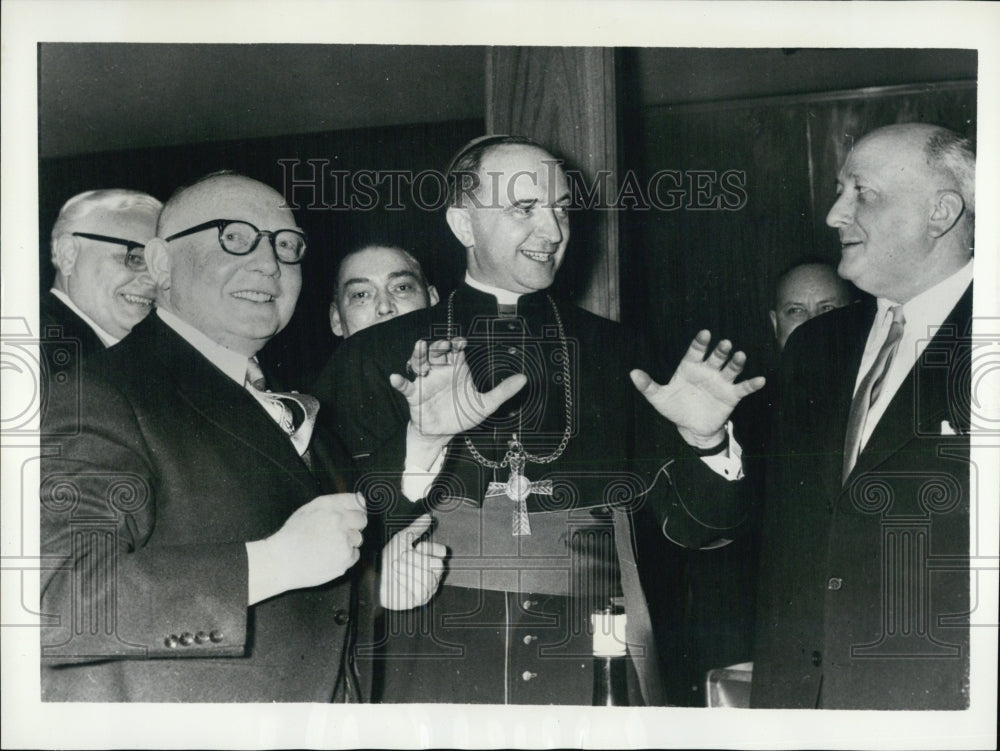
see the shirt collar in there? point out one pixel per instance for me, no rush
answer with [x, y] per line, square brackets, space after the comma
[233, 364]
[503, 296]
[106, 339]
[932, 306]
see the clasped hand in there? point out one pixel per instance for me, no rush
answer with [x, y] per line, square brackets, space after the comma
[410, 573]
[702, 392]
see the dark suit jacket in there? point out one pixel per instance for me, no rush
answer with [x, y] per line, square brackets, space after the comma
[155, 475]
[59, 323]
[618, 447]
[864, 591]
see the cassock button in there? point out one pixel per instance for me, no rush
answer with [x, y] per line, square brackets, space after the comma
[834, 583]
[528, 604]
[171, 642]
[817, 659]
[216, 636]
[527, 675]
[187, 638]
[201, 637]
[511, 350]
[511, 326]
[340, 617]
[529, 638]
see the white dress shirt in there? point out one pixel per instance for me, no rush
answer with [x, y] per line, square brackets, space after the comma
[924, 315]
[103, 335]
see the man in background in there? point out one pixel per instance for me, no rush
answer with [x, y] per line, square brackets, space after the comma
[804, 291]
[374, 284]
[102, 287]
[864, 588]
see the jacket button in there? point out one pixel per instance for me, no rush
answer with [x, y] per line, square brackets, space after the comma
[817, 659]
[201, 637]
[187, 638]
[340, 617]
[215, 636]
[171, 642]
[835, 582]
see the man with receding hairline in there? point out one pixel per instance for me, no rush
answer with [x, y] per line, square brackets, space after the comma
[375, 283]
[210, 530]
[864, 588]
[805, 291]
[557, 505]
[101, 287]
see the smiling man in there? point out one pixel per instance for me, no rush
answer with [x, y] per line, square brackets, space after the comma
[374, 284]
[102, 287]
[216, 527]
[864, 589]
[558, 504]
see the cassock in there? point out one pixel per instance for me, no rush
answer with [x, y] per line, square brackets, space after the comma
[864, 589]
[606, 484]
[157, 468]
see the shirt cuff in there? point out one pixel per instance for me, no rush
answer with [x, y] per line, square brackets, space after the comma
[416, 480]
[729, 462]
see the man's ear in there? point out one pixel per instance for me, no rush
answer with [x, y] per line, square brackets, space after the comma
[335, 322]
[461, 225]
[432, 294]
[158, 261]
[774, 322]
[948, 208]
[64, 254]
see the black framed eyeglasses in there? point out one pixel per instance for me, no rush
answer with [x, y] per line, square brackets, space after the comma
[241, 238]
[135, 258]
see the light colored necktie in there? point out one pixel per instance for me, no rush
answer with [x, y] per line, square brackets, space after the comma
[869, 390]
[295, 413]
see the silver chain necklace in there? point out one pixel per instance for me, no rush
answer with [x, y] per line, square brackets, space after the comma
[519, 487]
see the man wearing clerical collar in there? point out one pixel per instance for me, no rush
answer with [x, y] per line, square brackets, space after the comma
[556, 505]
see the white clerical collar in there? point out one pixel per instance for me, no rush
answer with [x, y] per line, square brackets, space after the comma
[233, 364]
[106, 339]
[503, 296]
[934, 304]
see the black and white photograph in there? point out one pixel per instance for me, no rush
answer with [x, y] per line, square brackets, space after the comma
[500, 375]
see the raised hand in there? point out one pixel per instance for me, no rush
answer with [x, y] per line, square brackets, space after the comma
[702, 392]
[443, 399]
[410, 573]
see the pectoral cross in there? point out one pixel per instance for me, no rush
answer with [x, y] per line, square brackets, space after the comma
[518, 488]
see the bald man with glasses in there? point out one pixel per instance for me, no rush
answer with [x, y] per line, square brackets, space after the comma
[197, 519]
[101, 287]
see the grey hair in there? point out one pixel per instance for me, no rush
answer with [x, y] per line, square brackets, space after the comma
[80, 206]
[954, 155]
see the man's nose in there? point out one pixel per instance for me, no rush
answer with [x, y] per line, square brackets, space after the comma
[842, 211]
[385, 305]
[264, 258]
[548, 225]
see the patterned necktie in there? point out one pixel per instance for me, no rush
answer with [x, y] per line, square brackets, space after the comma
[295, 413]
[869, 390]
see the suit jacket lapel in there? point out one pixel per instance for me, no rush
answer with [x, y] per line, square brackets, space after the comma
[923, 400]
[224, 404]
